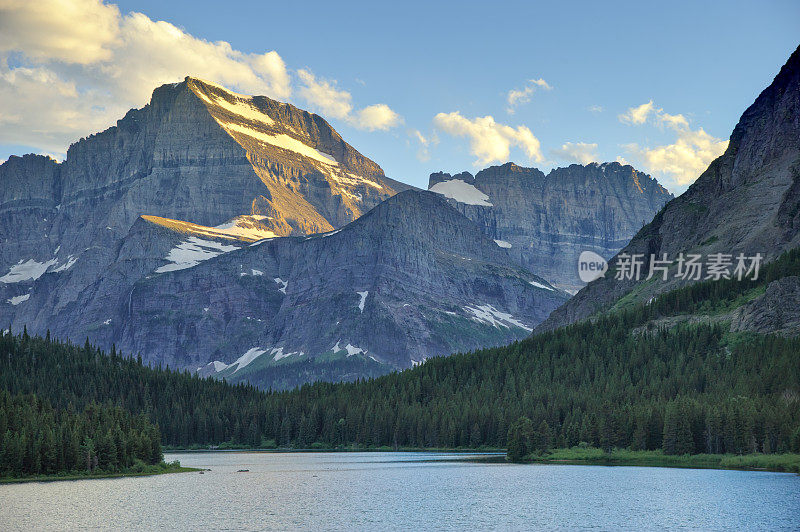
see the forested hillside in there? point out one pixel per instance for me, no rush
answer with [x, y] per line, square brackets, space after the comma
[186, 408]
[36, 439]
[620, 381]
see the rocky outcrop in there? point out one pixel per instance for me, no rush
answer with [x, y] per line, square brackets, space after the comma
[776, 311]
[747, 201]
[546, 221]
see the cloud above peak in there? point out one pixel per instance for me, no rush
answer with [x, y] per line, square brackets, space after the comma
[578, 152]
[324, 96]
[73, 32]
[69, 68]
[489, 140]
[516, 97]
[682, 161]
[637, 115]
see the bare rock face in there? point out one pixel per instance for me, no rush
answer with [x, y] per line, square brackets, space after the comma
[409, 280]
[776, 311]
[747, 201]
[216, 231]
[546, 221]
[196, 153]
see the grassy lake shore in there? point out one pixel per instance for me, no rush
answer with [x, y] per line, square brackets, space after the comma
[785, 463]
[160, 469]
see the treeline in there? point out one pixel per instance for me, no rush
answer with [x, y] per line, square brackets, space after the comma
[695, 388]
[290, 376]
[711, 295]
[188, 410]
[609, 383]
[691, 389]
[36, 439]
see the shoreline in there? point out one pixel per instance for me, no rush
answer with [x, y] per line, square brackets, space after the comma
[342, 450]
[74, 477]
[776, 463]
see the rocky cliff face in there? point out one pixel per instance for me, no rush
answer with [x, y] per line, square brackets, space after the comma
[409, 280]
[546, 221]
[196, 153]
[747, 201]
[160, 235]
[776, 311]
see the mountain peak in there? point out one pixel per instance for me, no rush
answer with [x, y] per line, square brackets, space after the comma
[546, 221]
[747, 201]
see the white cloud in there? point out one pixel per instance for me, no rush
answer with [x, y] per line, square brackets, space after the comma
[517, 97]
[425, 143]
[377, 117]
[637, 115]
[676, 122]
[324, 96]
[596, 109]
[685, 159]
[69, 68]
[682, 161]
[579, 152]
[489, 141]
[73, 32]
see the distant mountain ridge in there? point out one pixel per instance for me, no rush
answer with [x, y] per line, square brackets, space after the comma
[546, 221]
[409, 280]
[747, 201]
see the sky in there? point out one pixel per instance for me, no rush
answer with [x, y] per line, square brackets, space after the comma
[418, 87]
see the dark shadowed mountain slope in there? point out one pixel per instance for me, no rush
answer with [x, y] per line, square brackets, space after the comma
[411, 279]
[747, 201]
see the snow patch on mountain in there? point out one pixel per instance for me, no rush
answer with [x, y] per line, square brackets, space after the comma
[540, 285]
[191, 253]
[67, 265]
[28, 270]
[247, 228]
[16, 300]
[283, 284]
[247, 358]
[363, 300]
[502, 243]
[241, 105]
[492, 316]
[462, 192]
[280, 140]
[353, 350]
[351, 179]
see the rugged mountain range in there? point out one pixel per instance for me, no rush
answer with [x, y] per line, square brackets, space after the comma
[546, 221]
[747, 202]
[195, 153]
[160, 235]
[410, 279]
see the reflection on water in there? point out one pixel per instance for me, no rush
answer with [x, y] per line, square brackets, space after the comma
[369, 491]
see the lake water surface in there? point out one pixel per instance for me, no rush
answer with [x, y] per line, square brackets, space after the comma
[408, 491]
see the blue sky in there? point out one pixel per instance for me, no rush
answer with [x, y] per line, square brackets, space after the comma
[585, 64]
